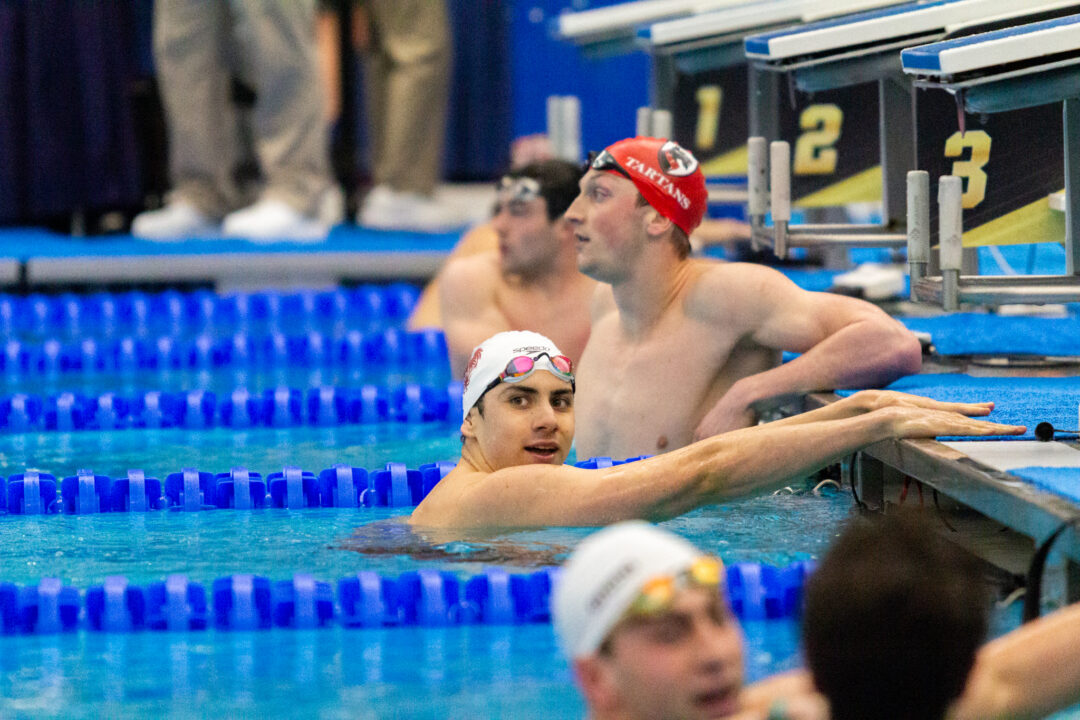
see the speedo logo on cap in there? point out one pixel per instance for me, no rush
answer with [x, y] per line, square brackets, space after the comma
[609, 585]
[657, 178]
[675, 160]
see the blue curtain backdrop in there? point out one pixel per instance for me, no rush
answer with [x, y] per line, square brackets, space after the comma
[67, 138]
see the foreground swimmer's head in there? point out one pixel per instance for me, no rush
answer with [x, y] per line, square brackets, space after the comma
[518, 402]
[893, 618]
[528, 217]
[623, 181]
[641, 615]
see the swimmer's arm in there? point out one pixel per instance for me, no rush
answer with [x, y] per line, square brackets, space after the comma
[1030, 672]
[469, 312]
[844, 342]
[714, 470]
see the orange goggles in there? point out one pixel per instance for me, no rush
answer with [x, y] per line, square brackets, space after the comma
[658, 594]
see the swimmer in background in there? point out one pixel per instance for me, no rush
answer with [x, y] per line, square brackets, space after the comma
[530, 279]
[895, 616]
[682, 349]
[518, 425]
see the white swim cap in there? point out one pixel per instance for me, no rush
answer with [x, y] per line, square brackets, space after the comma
[605, 575]
[490, 358]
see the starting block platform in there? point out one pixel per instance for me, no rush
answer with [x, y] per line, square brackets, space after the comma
[1031, 48]
[35, 257]
[900, 26]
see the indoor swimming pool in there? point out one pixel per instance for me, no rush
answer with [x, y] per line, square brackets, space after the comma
[403, 669]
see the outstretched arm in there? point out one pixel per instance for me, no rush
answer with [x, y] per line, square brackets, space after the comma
[844, 343]
[1028, 673]
[706, 472]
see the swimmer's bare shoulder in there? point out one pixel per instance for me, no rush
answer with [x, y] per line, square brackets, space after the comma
[732, 293]
[469, 305]
[470, 276]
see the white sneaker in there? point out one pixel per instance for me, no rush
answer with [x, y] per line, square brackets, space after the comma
[386, 209]
[178, 220]
[271, 220]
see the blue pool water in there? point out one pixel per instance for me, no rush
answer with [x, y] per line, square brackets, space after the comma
[469, 671]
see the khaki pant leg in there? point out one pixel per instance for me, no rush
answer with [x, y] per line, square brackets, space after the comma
[290, 133]
[191, 38]
[412, 40]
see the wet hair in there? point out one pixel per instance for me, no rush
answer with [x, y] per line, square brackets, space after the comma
[894, 616]
[558, 183]
[678, 236]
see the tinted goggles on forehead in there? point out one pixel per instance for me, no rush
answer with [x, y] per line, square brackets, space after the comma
[604, 160]
[523, 366]
[658, 595]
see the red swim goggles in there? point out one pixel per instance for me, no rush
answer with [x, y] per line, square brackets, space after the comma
[523, 366]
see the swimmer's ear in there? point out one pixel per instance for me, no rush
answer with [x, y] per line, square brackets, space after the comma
[655, 223]
[597, 683]
[467, 429]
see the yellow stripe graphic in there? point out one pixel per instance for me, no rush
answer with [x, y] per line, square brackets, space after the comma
[1032, 223]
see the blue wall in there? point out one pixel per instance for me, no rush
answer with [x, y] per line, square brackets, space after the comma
[611, 88]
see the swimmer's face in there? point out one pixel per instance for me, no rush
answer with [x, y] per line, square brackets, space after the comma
[684, 663]
[523, 423]
[609, 225]
[527, 239]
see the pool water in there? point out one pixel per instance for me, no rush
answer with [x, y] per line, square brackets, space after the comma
[450, 672]
[469, 671]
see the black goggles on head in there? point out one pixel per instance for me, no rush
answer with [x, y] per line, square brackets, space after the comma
[604, 160]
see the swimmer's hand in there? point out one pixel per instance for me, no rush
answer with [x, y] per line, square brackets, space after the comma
[730, 413]
[918, 422]
[870, 400]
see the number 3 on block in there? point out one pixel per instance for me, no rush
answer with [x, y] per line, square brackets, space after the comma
[814, 151]
[972, 168]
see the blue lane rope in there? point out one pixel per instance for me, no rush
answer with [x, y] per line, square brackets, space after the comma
[425, 598]
[381, 347]
[139, 313]
[342, 486]
[200, 409]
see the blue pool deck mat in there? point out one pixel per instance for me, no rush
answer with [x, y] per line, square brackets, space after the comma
[985, 51]
[881, 26]
[960, 334]
[1017, 400]
[348, 253]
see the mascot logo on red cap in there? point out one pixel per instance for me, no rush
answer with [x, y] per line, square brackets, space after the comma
[676, 161]
[473, 361]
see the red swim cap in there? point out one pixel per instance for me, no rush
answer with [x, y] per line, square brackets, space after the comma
[666, 175]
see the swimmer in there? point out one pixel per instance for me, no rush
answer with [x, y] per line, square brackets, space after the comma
[529, 278]
[684, 348]
[518, 425]
[640, 613]
[893, 622]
